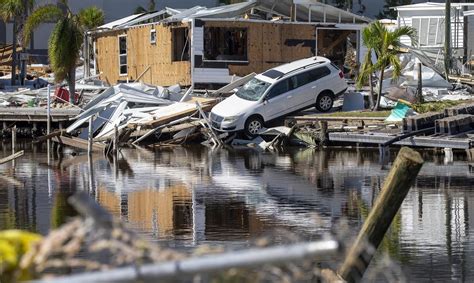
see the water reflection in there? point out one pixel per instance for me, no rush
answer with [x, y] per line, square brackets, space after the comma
[190, 196]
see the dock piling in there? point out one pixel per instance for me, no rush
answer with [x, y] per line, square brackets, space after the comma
[90, 139]
[397, 184]
[13, 143]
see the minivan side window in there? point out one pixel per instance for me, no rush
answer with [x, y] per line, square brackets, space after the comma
[279, 88]
[311, 76]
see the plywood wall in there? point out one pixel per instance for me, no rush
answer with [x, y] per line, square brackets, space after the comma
[142, 54]
[271, 44]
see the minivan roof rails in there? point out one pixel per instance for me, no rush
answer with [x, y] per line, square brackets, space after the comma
[301, 68]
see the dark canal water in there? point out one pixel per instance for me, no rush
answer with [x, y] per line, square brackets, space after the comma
[185, 197]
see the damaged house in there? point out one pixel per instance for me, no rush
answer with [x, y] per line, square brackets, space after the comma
[209, 47]
[428, 19]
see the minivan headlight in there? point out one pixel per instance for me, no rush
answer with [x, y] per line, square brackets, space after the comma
[231, 119]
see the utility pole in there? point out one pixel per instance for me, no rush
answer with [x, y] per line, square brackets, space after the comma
[447, 38]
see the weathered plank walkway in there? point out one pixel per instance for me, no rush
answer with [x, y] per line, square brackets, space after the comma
[417, 141]
[37, 114]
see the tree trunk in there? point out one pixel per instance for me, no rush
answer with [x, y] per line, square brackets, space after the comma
[71, 81]
[447, 38]
[379, 96]
[371, 94]
[14, 46]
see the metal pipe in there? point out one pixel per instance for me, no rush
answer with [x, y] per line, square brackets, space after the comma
[321, 250]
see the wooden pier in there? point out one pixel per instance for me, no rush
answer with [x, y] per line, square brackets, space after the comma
[375, 138]
[452, 128]
[37, 114]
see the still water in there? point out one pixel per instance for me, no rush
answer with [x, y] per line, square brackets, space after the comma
[188, 196]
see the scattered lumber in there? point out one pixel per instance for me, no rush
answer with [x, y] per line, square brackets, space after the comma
[50, 136]
[12, 157]
[78, 143]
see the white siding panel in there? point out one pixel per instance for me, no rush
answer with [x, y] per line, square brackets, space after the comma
[198, 40]
[209, 75]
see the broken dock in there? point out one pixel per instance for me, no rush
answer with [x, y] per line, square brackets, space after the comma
[452, 128]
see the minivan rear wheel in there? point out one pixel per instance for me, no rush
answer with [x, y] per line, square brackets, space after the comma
[253, 125]
[324, 102]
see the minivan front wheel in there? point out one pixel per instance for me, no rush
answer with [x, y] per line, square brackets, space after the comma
[324, 102]
[253, 125]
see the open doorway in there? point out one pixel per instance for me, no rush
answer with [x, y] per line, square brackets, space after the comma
[180, 38]
[341, 47]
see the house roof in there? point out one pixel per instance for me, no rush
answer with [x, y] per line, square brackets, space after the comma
[118, 22]
[431, 6]
[319, 11]
[307, 10]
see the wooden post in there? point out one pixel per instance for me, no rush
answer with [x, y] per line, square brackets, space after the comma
[324, 131]
[48, 121]
[397, 184]
[13, 142]
[447, 38]
[89, 147]
[116, 141]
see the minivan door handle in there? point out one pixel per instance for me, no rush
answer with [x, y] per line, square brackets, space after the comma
[288, 97]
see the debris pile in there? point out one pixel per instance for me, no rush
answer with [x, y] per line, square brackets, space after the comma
[137, 112]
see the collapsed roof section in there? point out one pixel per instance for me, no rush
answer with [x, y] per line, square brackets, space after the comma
[275, 10]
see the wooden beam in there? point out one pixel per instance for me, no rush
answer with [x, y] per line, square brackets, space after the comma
[338, 40]
[205, 106]
[78, 143]
[12, 157]
[396, 186]
[52, 135]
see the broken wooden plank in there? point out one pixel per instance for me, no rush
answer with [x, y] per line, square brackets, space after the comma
[50, 136]
[205, 105]
[240, 82]
[78, 143]
[12, 157]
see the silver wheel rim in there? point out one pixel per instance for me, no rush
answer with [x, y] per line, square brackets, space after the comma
[325, 103]
[255, 127]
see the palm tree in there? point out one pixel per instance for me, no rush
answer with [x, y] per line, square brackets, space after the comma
[386, 45]
[66, 38]
[15, 10]
[141, 9]
[366, 69]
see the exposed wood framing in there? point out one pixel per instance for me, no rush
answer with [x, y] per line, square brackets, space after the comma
[271, 44]
[141, 54]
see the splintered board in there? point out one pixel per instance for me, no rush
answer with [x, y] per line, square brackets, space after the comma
[142, 54]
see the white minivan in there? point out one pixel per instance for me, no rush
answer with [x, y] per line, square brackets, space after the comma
[278, 92]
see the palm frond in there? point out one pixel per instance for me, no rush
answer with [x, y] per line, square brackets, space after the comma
[64, 46]
[40, 15]
[10, 9]
[366, 70]
[91, 17]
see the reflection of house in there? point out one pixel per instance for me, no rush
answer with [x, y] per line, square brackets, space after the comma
[429, 21]
[202, 46]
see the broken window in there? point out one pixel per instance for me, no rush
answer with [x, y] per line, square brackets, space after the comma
[153, 36]
[180, 44]
[123, 54]
[225, 44]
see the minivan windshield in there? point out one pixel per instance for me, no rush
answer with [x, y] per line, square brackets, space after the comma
[253, 90]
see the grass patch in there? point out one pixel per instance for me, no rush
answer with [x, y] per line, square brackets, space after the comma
[437, 106]
[358, 114]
